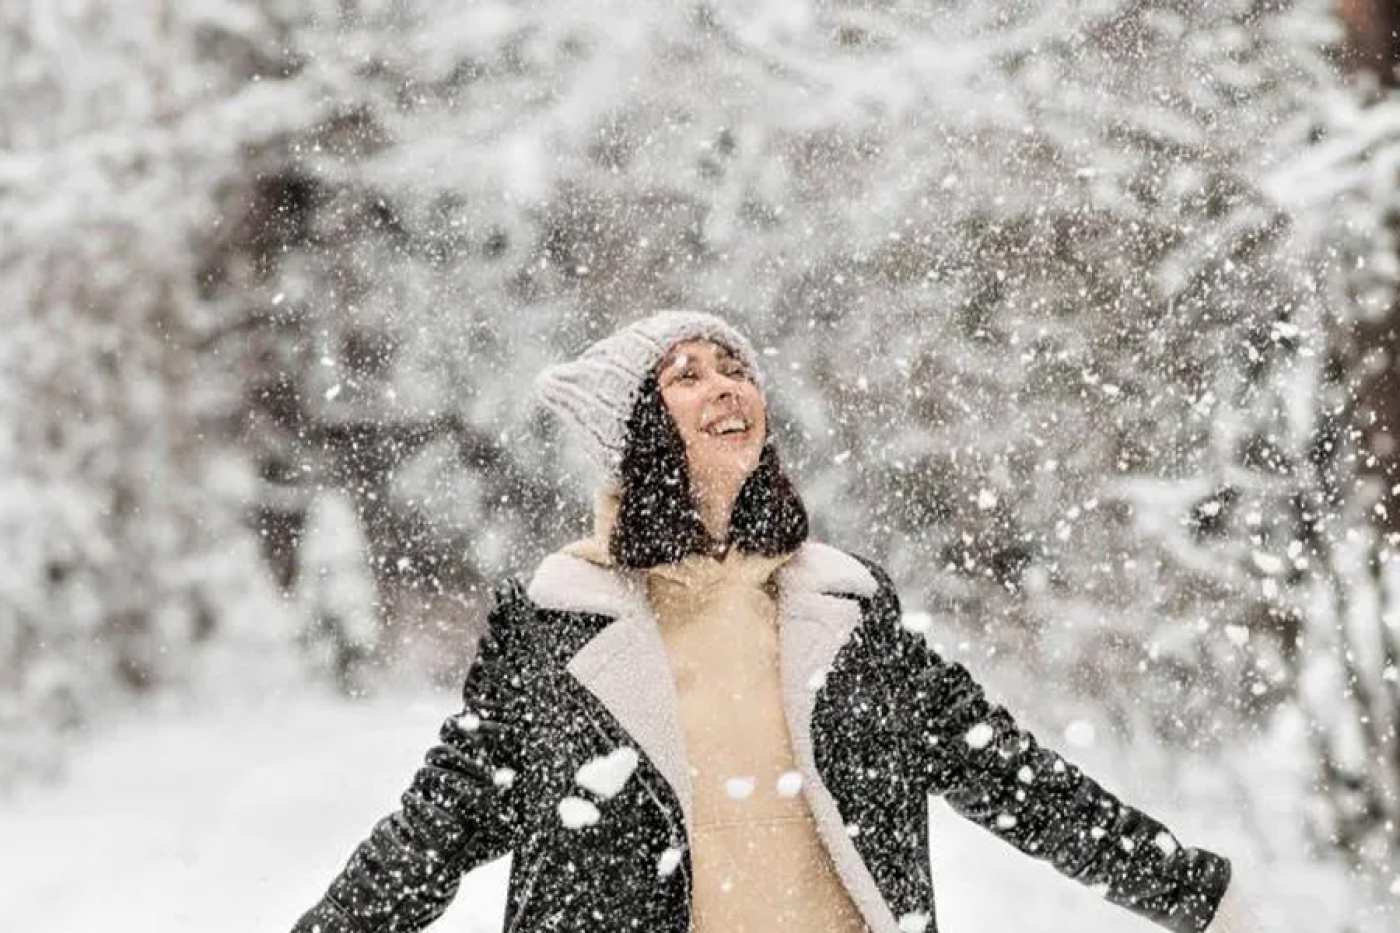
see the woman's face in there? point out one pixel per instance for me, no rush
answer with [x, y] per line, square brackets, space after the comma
[718, 408]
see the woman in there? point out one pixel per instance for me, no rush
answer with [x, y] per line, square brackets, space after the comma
[699, 719]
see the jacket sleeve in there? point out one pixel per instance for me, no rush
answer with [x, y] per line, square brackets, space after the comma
[463, 807]
[995, 773]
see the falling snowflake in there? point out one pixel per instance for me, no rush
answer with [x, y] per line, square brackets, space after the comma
[669, 861]
[1080, 732]
[576, 813]
[914, 922]
[739, 788]
[605, 776]
[916, 622]
[789, 783]
[979, 735]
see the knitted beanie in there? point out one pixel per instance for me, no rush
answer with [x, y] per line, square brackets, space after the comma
[594, 394]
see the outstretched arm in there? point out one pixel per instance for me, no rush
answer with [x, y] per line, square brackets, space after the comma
[461, 810]
[995, 773]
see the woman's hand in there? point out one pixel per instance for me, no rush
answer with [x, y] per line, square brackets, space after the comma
[1237, 912]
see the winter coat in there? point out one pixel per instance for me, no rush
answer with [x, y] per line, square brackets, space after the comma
[573, 671]
[757, 861]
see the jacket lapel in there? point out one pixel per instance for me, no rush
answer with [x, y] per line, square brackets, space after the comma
[813, 625]
[624, 665]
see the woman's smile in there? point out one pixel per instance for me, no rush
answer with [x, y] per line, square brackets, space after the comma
[718, 409]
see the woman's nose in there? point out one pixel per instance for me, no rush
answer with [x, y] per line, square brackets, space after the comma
[720, 387]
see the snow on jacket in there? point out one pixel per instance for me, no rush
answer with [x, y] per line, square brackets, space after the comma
[569, 752]
[757, 861]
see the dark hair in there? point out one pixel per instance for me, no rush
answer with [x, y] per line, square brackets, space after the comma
[658, 521]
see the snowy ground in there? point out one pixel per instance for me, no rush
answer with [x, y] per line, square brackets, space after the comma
[235, 821]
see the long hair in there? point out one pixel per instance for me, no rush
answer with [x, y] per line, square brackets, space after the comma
[658, 521]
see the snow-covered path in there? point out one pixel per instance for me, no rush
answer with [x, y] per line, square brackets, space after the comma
[236, 821]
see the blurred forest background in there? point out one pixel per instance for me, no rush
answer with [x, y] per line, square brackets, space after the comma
[1080, 316]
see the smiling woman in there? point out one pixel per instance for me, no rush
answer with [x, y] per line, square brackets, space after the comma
[699, 423]
[722, 419]
[769, 727]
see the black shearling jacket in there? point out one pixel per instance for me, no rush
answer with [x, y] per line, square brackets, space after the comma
[572, 669]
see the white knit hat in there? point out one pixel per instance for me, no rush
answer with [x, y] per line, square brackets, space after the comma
[594, 394]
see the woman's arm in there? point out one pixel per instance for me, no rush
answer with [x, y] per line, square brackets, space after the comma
[955, 743]
[463, 807]
[995, 773]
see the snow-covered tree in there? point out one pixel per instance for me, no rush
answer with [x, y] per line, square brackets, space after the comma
[124, 547]
[1057, 299]
[1000, 257]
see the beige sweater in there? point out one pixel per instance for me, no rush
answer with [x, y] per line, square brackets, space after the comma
[759, 866]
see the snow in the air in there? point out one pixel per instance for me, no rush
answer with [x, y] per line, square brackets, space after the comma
[576, 813]
[789, 784]
[1078, 319]
[914, 923]
[739, 788]
[670, 860]
[979, 735]
[605, 776]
